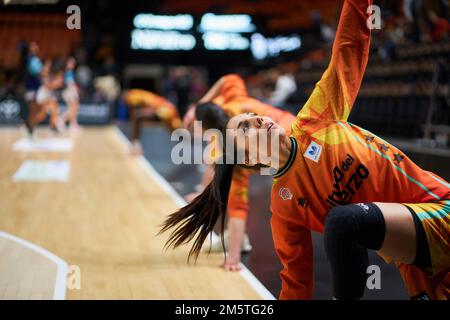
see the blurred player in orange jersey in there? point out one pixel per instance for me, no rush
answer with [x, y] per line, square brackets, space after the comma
[146, 106]
[336, 178]
[228, 97]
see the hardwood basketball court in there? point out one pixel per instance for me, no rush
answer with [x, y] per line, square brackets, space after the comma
[104, 220]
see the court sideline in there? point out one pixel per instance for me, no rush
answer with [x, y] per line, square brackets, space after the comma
[104, 220]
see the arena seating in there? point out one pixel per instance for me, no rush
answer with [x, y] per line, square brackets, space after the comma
[41, 28]
[395, 96]
[298, 16]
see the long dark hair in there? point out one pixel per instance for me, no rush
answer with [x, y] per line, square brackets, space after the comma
[197, 219]
[212, 116]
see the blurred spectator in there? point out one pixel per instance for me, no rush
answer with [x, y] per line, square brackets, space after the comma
[285, 86]
[107, 88]
[32, 67]
[84, 76]
[327, 33]
[109, 65]
[178, 88]
[199, 86]
[440, 27]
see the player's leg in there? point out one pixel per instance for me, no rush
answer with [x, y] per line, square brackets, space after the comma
[37, 115]
[52, 108]
[135, 124]
[401, 235]
[33, 108]
[74, 106]
[138, 117]
[26, 111]
[70, 96]
[352, 229]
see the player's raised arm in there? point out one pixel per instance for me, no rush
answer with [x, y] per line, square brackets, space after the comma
[335, 93]
[213, 92]
[229, 87]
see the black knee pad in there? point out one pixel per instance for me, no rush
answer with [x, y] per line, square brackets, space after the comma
[349, 231]
[364, 222]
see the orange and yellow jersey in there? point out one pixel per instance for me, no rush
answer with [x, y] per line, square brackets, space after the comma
[334, 162]
[163, 108]
[234, 100]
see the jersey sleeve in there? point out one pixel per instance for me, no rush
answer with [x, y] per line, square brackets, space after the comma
[293, 245]
[233, 87]
[335, 93]
[238, 197]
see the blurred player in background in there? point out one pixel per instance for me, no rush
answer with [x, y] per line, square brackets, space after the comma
[32, 68]
[70, 95]
[46, 103]
[228, 97]
[146, 106]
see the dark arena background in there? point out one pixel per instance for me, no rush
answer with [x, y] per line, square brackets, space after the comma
[82, 197]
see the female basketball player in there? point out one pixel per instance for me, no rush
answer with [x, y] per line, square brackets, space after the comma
[342, 180]
[229, 97]
[46, 102]
[147, 106]
[32, 68]
[70, 95]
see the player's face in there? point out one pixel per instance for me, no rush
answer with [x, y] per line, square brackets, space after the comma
[71, 63]
[34, 48]
[248, 131]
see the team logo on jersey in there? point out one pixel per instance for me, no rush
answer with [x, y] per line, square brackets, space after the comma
[285, 194]
[363, 206]
[313, 151]
[303, 202]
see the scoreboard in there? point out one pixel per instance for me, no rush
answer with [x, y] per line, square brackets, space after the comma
[210, 33]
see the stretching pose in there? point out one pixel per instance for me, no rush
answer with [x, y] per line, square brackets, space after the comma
[32, 71]
[228, 97]
[146, 106]
[337, 178]
[46, 102]
[70, 95]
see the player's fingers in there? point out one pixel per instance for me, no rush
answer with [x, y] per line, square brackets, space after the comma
[236, 267]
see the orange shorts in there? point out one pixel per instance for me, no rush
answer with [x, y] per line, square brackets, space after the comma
[433, 283]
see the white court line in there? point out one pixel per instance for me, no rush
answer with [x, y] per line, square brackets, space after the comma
[146, 165]
[59, 293]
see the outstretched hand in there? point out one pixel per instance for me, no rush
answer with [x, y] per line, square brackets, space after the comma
[233, 265]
